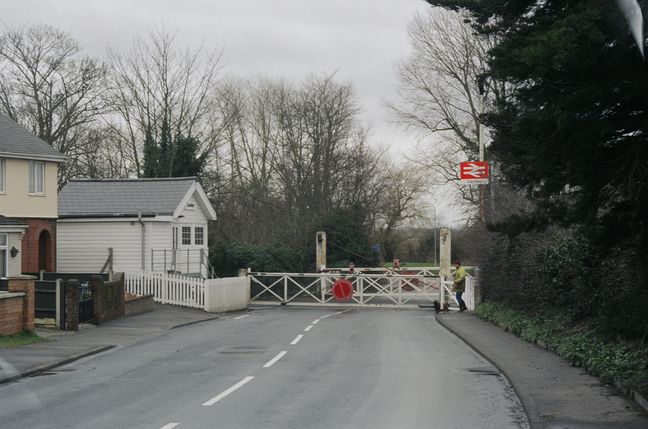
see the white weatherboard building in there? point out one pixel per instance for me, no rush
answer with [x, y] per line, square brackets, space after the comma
[151, 225]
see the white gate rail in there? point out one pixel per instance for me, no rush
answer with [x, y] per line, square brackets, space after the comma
[389, 288]
[368, 289]
[167, 288]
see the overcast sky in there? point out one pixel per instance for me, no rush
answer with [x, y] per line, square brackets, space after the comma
[361, 40]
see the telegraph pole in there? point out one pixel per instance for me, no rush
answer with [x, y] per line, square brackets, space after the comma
[481, 81]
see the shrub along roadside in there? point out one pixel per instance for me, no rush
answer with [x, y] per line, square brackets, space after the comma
[16, 340]
[610, 360]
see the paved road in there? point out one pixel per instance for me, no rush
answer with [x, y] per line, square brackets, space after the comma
[276, 368]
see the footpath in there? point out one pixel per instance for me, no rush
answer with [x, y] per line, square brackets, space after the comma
[62, 347]
[554, 394]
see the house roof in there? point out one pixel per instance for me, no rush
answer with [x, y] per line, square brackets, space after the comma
[4, 221]
[17, 142]
[10, 225]
[128, 197]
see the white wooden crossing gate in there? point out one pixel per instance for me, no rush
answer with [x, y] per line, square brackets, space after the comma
[386, 288]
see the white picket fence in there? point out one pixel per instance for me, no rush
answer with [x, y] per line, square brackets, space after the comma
[167, 288]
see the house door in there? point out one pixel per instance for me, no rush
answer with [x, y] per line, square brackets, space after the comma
[45, 251]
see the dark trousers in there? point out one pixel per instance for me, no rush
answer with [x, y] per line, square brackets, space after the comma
[462, 304]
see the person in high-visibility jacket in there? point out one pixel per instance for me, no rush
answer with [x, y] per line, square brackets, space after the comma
[459, 285]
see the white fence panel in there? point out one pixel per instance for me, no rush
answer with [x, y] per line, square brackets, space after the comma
[167, 288]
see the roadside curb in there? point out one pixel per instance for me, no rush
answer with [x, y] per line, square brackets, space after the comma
[193, 322]
[58, 363]
[530, 409]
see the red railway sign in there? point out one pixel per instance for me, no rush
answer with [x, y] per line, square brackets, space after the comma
[474, 172]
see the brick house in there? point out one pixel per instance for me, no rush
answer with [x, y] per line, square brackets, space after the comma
[28, 199]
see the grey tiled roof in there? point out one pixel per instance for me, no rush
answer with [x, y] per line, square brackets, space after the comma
[122, 197]
[17, 142]
[10, 222]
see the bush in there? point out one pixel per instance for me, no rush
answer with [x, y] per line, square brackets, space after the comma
[560, 270]
[228, 257]
[580, 344]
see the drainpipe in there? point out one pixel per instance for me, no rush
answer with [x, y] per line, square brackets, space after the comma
[139, 219]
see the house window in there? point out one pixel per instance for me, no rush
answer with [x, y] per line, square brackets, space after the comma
[199, 236]
[2, 175]
[3, 255]
[36, 177]
[186, 235]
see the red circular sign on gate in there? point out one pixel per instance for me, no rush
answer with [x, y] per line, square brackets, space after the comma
[342, 290]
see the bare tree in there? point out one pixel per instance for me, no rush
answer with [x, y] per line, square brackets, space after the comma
[159, 90]
[401, 203]
[50, 88]
[292, 155]
[439, 93]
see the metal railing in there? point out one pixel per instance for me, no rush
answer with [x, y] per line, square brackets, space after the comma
[187, 261]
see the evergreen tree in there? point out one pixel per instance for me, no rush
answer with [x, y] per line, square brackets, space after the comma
[187, 161]
[150, 160]
[574, 133]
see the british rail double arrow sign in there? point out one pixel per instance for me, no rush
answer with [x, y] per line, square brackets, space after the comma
[474, 172]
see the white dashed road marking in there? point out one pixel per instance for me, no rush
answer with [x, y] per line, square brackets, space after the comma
[220, 396]
[240, 317]
[170, 426]
[275, 359]
[308, 328]
[296, 340]
[314, 322]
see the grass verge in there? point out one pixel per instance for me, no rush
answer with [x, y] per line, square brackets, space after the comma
[25, 337]
[613, 361]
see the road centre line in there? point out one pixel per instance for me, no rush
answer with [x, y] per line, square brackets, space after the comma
[325, 316]
[296, 340]
[275, 359]
[170, 426]
[308, 328]
[220, 396]
[314, 322]
[240, 317]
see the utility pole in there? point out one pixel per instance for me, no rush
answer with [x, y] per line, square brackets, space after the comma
[434, 232]
[481, 81]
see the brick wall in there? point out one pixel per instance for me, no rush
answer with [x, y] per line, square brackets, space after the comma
[30, 244]
[11, 314]
[108, 298]
[26, 285]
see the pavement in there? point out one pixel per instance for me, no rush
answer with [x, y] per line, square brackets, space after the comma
[62, 347]
[554, 394]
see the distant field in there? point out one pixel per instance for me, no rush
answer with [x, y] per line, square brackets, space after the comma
[411, 264]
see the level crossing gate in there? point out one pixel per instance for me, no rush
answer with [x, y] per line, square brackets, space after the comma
[371, 287]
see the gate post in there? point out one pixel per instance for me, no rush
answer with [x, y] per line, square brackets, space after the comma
[72, 305]
[320, 251]
[445, 247]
